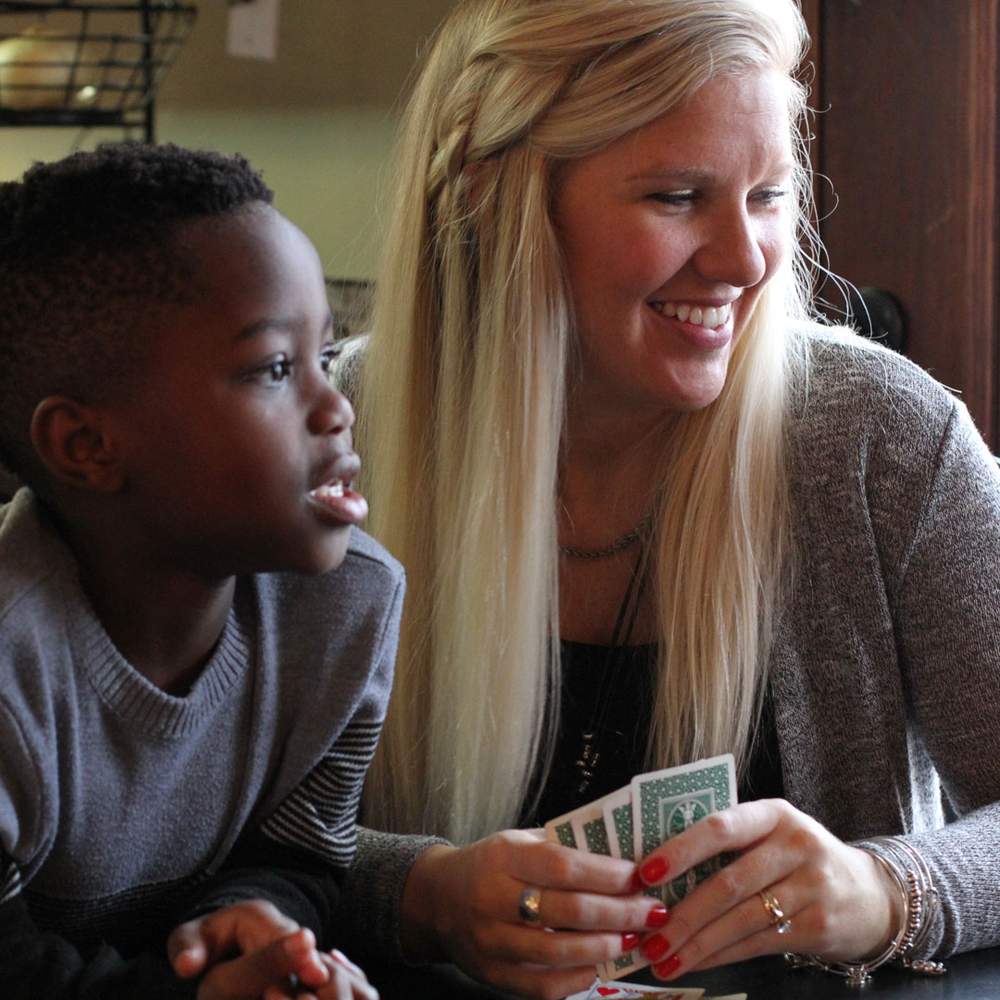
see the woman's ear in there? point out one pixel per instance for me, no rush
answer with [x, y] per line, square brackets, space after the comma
[75, 445]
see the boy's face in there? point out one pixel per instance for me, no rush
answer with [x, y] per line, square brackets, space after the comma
[238, 449]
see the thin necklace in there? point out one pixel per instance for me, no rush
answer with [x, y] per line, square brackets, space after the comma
[618, 545]
[591, 738]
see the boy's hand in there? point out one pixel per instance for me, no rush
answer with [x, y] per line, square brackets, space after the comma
[270, 949]
[347, 981]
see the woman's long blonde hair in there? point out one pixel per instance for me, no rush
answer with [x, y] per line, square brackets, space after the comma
[462, 407]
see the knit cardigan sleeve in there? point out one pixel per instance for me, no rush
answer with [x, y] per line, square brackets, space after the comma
[948, 622]
[369, 917]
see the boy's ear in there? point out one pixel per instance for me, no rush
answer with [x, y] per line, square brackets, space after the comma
[76, 446]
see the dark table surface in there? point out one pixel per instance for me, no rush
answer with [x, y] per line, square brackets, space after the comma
[975, 976]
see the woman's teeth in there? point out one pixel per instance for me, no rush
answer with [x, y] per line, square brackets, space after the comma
[334, 489]
[708, 316]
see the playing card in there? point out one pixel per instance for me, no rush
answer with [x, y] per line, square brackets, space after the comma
[629, 991]
[561, 830]
[631, 961]
[587, 829]
[636, 819]
[617, 810]
[592, 834]
[590, 826]
[665, 803]
[583, 828]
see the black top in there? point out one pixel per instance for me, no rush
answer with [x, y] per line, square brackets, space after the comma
[626, 702]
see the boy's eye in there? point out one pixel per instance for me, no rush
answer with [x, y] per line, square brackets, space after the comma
[327, 357]
[279, 369]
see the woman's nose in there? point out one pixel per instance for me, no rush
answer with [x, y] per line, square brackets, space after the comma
[732, 251]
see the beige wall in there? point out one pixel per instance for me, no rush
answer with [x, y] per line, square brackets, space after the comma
[318, 121]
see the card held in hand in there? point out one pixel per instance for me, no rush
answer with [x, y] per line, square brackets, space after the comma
[561, 831]
[617, 810]
[585, 827]
[603, 990]
[665, 803]
[633, 821]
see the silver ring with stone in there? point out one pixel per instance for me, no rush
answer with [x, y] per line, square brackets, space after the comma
[529, 906]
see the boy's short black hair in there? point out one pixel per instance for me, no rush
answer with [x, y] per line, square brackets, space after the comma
[87, 258]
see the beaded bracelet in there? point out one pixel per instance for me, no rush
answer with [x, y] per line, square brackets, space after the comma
[922, 895]
[920, 907]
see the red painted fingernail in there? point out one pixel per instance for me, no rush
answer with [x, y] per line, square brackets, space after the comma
[667, 968]
[657, 916]
[636, 884]
[629, 941]
[653, 870]
[655, 948]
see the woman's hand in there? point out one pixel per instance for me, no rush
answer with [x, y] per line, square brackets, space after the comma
[464, 904]
[838, 901]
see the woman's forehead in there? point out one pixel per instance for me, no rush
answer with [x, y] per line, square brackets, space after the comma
[744, 118]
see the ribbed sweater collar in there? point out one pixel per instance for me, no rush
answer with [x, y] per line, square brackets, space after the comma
[135, 699]
[32, 547]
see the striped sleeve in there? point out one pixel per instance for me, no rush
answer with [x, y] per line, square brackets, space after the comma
[10, 879]
[321, 814]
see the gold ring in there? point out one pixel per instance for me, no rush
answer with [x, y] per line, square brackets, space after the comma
[775, 914]
[529, 906]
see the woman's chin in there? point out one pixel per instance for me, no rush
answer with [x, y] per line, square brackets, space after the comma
[691, 395]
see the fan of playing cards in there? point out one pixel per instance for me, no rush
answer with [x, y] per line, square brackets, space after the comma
[629, 991]
[638, 818]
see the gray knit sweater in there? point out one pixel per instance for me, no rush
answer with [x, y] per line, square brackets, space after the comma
[886, 668]
[119, 803]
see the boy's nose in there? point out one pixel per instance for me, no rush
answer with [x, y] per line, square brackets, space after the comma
[332, 412]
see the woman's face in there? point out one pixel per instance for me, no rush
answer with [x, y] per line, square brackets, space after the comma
[669, 234]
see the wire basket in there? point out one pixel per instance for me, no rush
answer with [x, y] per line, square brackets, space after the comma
[86, 64]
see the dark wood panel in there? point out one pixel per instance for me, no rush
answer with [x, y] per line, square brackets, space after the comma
[812, 76]
[910, 145]
[811, 11]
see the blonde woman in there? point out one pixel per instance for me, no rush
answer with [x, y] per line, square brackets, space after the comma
[650, 512]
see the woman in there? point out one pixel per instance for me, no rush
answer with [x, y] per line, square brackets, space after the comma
[650, 513]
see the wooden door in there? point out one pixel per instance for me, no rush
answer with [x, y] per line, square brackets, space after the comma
[907, 133]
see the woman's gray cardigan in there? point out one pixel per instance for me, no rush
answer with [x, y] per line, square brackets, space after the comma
[886, 667]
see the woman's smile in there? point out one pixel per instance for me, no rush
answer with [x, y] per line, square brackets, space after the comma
[704, 327]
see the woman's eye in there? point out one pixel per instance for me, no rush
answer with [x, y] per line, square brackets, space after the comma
[327, 357]
[674, 197]
[771, 195]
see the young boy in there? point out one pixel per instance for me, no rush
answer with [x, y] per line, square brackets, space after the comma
[196, 641]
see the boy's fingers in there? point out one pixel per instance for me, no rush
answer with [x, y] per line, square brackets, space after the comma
[348, 981]
[186, 949]
[309, 967]
[281, 993]
[189, 962]
[338, 956]
[268, 968]
[243, 927]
